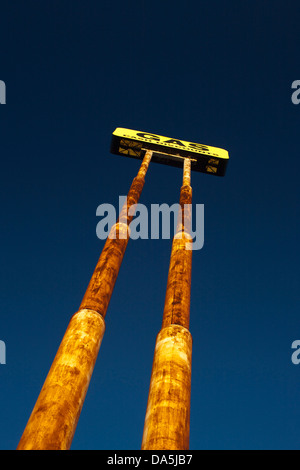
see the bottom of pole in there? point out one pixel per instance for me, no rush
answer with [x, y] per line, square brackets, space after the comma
[53, 420]
[167, 421]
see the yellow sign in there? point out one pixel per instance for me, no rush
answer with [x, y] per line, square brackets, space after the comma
[171, 143]
[169, 151]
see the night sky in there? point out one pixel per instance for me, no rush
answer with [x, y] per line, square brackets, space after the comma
[214, 72]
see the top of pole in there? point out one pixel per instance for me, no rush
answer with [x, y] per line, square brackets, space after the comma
[186, 180]
[169, 151]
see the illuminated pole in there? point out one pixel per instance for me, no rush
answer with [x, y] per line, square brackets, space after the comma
[167, 421]
[53, 420]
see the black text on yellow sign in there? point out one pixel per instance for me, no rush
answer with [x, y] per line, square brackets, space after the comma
[170, 151]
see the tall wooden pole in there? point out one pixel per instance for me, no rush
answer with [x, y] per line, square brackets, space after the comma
[167, 421]
[53, 420]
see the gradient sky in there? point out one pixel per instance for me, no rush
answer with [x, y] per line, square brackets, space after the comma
[214, 72]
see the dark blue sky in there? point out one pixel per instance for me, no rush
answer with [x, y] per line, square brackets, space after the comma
[215, 72]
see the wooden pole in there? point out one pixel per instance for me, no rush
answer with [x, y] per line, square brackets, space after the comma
[53, 421]
[167, 420]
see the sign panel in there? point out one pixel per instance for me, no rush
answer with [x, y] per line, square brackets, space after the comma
[169, 151]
